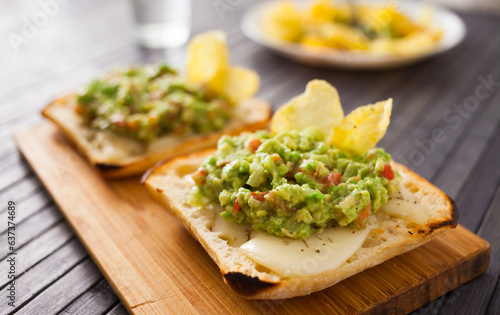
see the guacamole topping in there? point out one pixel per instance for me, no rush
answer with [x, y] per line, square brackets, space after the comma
[150, 101]
[293, 184]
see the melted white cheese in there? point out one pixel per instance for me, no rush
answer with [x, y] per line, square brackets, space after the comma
[320, 252]
[112, 147]
[403, 205]
[235, 234]
[316, 254]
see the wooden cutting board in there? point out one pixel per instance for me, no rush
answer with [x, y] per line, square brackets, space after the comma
[155, 266]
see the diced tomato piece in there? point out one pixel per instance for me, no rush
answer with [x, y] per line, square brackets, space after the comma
[271, 195]
[302, 165]
[118, 120]
[132, 125]
[80, 109]
[276, 157]
[332, 179]
[199, 177]
[259, 196]
[120, 123]
[387, 172]
[254, 144]
[236, 205]
[363, 216]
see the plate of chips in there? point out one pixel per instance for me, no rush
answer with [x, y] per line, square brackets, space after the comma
[356, 34]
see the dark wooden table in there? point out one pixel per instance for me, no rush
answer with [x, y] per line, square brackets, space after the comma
[448, 96]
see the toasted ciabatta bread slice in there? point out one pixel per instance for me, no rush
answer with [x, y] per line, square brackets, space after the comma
[119, 156]
[170, 185]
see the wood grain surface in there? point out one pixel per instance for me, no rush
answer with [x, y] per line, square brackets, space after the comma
[154, 265]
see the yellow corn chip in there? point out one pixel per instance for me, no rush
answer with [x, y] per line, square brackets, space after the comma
[208, 59]
[282, 21]
[403, 25]
[240, 83]
[320, 11]
[363, 127]
[318, 106]
[413, 44]
[341, 36]
[208, 63]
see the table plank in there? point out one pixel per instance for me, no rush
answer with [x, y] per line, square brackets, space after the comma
[474, 197]
[32, 227]
[428, 80]
[81, 278]
[480, 291]
[97, 300]
[118, 310]
[38, 249]
[30, 205]
[43, 274]
[19, 190]
[432, 118]
[468, 152]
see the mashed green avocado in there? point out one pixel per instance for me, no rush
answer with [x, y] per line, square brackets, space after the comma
[293, 184]
[150, 101]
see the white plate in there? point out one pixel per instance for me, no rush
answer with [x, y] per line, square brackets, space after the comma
[452, 26]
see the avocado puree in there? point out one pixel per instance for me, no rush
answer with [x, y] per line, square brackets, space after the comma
[293, 184]
[150, 101]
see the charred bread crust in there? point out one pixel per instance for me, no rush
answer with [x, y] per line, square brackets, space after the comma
[454, 212]
[151, 170]
[140, 163]
[451, 223]
[103, 167]
[246, 285]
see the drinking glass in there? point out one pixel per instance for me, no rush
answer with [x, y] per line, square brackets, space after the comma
[162, 23]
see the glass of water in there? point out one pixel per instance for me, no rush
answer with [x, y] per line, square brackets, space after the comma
[162, 23]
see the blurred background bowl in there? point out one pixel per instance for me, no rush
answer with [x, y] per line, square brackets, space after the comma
[452, 25]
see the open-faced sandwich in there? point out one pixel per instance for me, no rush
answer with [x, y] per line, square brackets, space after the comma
[298, 209]
[131, 118]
